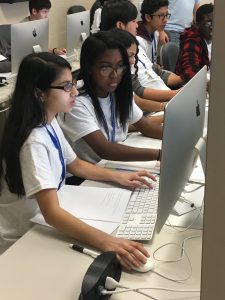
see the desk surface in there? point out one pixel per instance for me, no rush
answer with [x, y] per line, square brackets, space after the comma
[42, 266]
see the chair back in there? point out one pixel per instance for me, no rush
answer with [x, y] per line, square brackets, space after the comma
[75, 9]
[168, 56]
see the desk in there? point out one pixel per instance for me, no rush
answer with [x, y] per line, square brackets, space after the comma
[42, 266]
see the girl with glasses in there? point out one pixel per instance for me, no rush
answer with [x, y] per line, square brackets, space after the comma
[34, 157]
[105, 107]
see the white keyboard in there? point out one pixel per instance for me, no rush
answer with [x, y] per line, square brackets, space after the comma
[139, 219]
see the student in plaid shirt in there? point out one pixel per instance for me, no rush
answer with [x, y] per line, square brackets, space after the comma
[195, 44]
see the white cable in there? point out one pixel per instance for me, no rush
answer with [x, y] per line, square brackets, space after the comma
[183, 253]
[190, 225]
[200, 185]
[113, 284]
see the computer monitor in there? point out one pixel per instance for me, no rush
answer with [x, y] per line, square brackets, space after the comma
[78, 29]
[24, 36]
[183, 129]
[5, 33]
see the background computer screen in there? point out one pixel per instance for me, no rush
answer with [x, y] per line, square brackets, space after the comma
[5, 33]
[183, 127]
[26, 35]
[78, 28]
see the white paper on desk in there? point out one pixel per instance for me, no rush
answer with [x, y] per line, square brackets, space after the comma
[94, 203]
[6, 75]
[151, 166]
[107, 227]
[2, 57]
[141, 141]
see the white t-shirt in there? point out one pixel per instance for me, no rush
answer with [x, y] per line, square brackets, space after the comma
[82, 120]
[97, 20]
[150, 47]
[146, 75]
[41, 169]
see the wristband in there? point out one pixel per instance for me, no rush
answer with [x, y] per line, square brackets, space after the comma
[53, 50]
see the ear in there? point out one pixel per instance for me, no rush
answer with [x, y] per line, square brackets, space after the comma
[39, 94]
[148, 18]
[120, 25]
[34, 11]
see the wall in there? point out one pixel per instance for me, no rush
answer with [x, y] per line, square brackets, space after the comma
[12, 13]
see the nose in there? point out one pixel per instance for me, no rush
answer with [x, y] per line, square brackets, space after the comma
[132, 60]
[113, 74]
[74, 91]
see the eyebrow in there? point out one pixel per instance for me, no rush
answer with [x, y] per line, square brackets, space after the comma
[109, 63]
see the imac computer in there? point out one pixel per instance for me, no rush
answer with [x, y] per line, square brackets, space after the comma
[182, 133]
[26, 38]
[78, 29]
[5, 33]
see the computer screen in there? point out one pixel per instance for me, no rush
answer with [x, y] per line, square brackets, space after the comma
[183, 128]
[24, 36]
[5, 33]
[78, 29]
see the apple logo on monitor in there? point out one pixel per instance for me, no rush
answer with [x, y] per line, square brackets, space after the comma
[34, 33]
[198, 109]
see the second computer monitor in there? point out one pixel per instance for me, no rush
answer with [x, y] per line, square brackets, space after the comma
[183, 128]
[24, 36]
[78, 28]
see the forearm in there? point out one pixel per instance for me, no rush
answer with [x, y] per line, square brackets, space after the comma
[159, 95]
[149, 105]
[154, 130]
[65, 222]
[90, 171]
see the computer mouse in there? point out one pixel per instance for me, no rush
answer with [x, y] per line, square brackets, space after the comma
[145, 267]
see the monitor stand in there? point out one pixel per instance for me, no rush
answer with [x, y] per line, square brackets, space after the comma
[37, 49]
[187, 207]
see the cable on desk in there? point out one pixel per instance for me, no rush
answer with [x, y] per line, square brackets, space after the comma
[111, 283]
[183, 254]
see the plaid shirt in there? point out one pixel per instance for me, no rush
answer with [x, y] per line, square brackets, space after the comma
[193, 54]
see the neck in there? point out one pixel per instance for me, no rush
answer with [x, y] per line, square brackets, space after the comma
[102, 94]
[148, 27]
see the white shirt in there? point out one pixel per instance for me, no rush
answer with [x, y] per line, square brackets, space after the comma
[95, 27]
[82, 120]
[146, 75]
[150, 47]
[41, 169]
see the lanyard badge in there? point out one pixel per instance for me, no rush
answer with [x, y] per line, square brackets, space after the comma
[57, 145]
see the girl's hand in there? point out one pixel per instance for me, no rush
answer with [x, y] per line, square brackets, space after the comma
[134, 179]
[128, 252]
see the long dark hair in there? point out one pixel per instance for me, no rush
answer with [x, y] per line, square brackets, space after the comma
[27, 111]
[92, 48]
[126, 39]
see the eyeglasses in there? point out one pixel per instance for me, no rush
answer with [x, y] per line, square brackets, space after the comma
[162, 16]
[67, 87]
[109, 69]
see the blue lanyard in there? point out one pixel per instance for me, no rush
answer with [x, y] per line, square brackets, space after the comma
[152, 36]
[113, 121]
[143, 64]
[57, 145]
